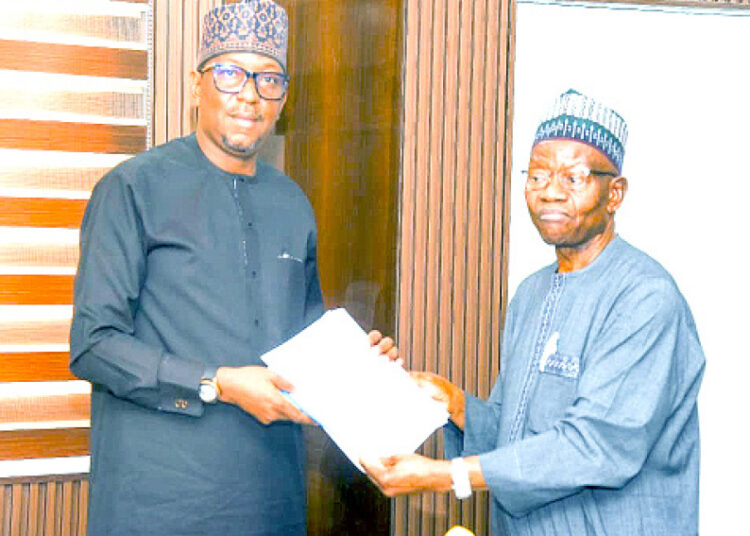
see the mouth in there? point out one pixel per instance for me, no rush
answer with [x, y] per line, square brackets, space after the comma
[552, 216]
[247, 120]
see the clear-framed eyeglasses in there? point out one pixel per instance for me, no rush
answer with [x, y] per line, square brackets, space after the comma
[571, 180]
[230, 78]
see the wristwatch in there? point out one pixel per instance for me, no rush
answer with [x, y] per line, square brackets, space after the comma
[460, 477]
[209, 391]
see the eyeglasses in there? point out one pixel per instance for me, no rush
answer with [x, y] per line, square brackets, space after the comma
[573, 181]
[230, 78]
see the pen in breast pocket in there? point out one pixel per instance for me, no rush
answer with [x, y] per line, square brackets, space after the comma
[285, 255]
[549, 349]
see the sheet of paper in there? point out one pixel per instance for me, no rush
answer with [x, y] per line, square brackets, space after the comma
[367, 404]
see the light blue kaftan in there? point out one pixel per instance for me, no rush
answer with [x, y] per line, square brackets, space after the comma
[592, 426]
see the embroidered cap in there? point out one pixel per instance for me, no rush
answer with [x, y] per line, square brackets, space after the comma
[575, 116]
[259, 26]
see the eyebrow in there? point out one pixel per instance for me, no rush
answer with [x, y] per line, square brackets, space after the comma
[269, 66]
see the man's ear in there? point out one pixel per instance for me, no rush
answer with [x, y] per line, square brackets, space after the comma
[195, 87]
[281, 108]
[618, 187]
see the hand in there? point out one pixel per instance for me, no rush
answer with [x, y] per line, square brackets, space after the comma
[257, 390]
[386, 345]
[408, 473]
[444, 391]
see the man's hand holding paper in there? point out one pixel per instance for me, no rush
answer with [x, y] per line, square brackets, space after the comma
[339, 380]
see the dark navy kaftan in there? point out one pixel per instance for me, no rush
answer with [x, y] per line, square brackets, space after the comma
[185, 267]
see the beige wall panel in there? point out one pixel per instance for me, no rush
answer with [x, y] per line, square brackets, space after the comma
[30, 333]
[110, 27]
[80, 179]
[38, 255]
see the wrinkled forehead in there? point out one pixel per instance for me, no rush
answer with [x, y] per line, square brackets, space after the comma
[565, 153]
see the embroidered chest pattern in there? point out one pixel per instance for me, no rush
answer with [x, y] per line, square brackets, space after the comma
[562, 365]
[548, 312]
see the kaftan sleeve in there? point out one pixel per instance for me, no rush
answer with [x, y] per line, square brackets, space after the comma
[103, 348]
[642, 366]
[481, 427]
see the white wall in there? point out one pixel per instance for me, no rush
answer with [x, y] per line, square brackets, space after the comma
[681, 80]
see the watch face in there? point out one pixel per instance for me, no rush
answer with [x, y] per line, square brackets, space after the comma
[208, 393]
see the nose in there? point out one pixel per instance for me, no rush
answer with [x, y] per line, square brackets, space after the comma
[554, 191]
[248, 92]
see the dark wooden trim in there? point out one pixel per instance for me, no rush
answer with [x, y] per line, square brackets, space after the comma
[44, 479]
[73, 59]
[28, 444]
[75, 137]
[41, 212]
[36, 289]
[35, 367]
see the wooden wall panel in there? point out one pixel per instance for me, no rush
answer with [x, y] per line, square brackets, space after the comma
[79, 25]
[36, 289]
[63, 178]
[54, 443]
[77, 137]
[40, 256]
[341, 135]
[37, 409]
[453, 242]
[44, 507]
[41, 212]
[35, 367]
[74, 84]
[34, 332]
[176, 40]
[73, 59]
[52, 100]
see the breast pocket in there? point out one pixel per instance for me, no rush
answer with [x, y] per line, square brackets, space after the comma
[555, 391]
[285, 297]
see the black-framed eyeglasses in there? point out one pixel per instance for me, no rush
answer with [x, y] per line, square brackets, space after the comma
[571, 180]
[230, 78]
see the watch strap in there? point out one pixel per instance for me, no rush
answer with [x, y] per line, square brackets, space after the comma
[461, 479]
[208, 390]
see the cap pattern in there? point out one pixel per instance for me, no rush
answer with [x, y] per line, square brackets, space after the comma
[259, 26]
[575, 116]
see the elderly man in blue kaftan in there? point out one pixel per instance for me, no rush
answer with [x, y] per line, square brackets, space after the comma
[592, 426]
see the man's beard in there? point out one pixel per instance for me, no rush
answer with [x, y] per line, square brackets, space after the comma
[243, 151]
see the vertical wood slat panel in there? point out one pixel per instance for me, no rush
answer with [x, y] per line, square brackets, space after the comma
[176, 40]
[463, 144]
[33, 509]
[412, 17]
[52, 506]
[434, 504]
[453, 239]
[176, 83]
[419, 510]
[448, 243]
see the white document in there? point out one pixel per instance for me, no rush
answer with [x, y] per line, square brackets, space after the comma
[367, 404]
